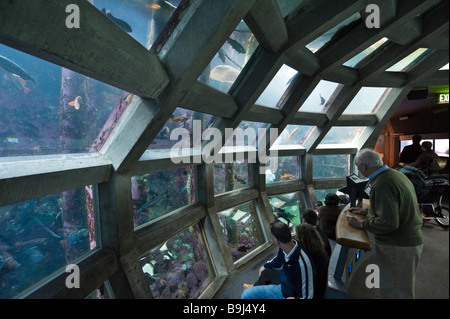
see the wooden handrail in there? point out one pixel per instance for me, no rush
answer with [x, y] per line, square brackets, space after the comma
[349, 236]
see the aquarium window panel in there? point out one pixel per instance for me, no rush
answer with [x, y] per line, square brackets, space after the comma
[242, 229]
[318, 43]
[232, 176]
[46, 109]
[357, 59]
[280, 169]
[276, 88]
[232, 57]
[179, 268]
[342, 135]
[410, 61]
[287, 208]
[182, 131]
[42, 235]
[293, 135]
[331, 166]
[367, 100]
[159, 193]
[321, 97]
[141, 19]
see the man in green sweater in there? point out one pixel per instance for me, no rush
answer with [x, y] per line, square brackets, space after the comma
[395, 220]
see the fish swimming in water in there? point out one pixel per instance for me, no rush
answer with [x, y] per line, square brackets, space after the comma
[11, 67]
[77, 103]
[125, 26]
[179, 119]
[292, 134]
[152, 202]
[287, 177]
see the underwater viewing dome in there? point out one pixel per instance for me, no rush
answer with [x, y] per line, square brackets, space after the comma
[147, 145]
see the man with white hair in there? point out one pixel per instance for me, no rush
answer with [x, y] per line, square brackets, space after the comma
[395, 220]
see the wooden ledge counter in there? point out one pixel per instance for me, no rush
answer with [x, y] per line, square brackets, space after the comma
[350, 236]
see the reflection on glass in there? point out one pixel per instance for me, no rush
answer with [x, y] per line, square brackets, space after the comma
[180, 268]
[179, 130]
[241, 228]
[282, 169]
[231, 176]
[287, 208]
[228, 63]
[318, 43]
[46, 109]
[293, 135]
[321, 97]
[342, 135]
[39, 236]
[142, 19]
[276, 88]
[159, 193]
[357, 59]
[367, 100]
[409, 62]
[330, 166]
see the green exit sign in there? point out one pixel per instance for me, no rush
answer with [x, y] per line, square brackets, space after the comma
[443, 98]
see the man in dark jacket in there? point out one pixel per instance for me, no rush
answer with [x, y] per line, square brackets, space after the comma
[411, 152]
[297, 275]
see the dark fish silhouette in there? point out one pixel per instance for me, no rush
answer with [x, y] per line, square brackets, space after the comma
[13, 68]
[125, 26]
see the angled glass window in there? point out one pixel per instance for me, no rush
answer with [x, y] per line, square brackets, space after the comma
[331, 166]
[342, 135]
[367, 100]
[181, 267]
[320, 98]
[445, 67]
[285, 168]
[183, 130]
[318, 43]
[46, 109]
[410, 61]
[160, 193]
[293, 135]
[242, 229]
[42, 235]
[231, 176]
[287, 207]
[143, 20]
[360, 57]
[228, 63]
[276, 88]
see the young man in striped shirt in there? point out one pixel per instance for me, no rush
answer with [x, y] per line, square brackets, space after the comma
[296, 272]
